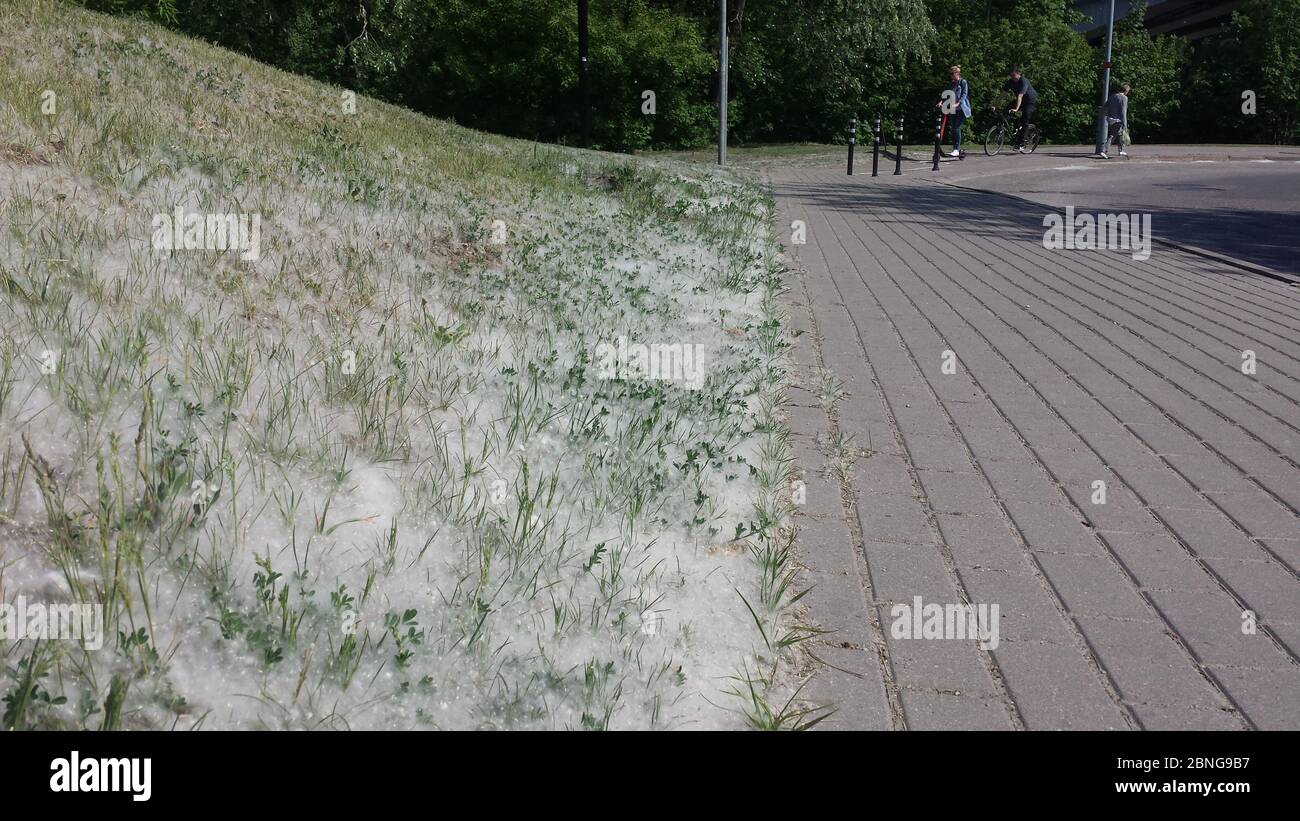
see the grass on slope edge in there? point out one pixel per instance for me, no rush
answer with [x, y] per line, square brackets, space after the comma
[403, 468]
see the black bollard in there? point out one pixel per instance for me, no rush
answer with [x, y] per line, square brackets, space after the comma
[875, 148]
[898, 157]
[853, 136]
[938, 140]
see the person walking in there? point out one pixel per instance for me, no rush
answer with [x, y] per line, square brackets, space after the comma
[1117, 121]
[955, 105]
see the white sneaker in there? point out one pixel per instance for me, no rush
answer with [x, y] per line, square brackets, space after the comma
[1123, 153]
[1101, 155]
[1020, 150]
[954, 153]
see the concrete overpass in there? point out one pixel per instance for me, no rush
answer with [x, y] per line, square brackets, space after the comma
[1192, 19]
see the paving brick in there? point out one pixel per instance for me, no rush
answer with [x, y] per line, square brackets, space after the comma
[837, 604]
[806, 421]
[1053, 528]
[1212, 627]
[1209, 473]
[1074, 464]
[1260, 460]
[938, 453]
[1258, 513]
[1025, 606]
[1056, 689]
[1162, 488]
[923, 420]
[1208, 532]
[974, 413]
[1131, 408]
[901, 571]
[1091, 419]
[1126, 451]
[827, 545]
[868, 425]
[946, 711]
[996, 445]
[1286, 488]
[1265, 586]
[1166, 438]
[1176, 717]
[966, 493]
[1148, 666]
[1045, 345]
[1035, 422]
[1016, 482]
[1270, 697]
[1160, 563]
[895, 517]
[882, 473]
[1288, 550]
[858, 698]
[938, 664]
[1093, 585]
[978, 542]
[821, 494]
[1121, 509]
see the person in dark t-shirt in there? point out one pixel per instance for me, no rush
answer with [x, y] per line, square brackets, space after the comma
[1026, 101]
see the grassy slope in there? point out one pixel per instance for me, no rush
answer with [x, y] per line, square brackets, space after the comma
[373, 478]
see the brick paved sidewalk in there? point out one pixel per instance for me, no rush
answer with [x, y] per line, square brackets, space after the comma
[1068, 368]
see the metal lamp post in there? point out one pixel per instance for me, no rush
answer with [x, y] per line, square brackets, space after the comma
[722, 82]
[584, 87]
[1102, 126]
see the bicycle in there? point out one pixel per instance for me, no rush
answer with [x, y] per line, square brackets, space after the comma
[1005, 129]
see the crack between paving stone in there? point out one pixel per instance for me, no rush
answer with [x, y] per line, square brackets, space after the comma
[848, 503]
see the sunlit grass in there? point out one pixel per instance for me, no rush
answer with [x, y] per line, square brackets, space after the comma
[373, 478]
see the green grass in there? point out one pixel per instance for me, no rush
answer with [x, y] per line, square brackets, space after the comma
[757, 160]
[764, 156]
[374, 478]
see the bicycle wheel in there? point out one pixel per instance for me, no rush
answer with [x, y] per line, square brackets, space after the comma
[995, 139]
[1032, 138]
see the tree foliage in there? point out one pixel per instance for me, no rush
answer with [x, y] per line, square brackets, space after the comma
[1150, 65]
[800, 69]
[987, 37]
[1258, 54]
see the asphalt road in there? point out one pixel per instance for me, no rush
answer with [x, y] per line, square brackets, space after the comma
[1244, 203]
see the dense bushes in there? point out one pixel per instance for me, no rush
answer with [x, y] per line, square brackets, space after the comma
[800, 68]
[1259, 53]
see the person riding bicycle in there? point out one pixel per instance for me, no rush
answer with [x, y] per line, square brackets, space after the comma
[1026, 101]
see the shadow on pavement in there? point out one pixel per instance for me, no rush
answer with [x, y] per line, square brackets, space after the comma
[1266, 238]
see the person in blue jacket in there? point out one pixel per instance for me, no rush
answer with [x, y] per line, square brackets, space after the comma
[957, 106]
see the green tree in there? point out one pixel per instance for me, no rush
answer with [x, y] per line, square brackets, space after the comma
[1266, 56]
[1151, 66]
[1257, 54]
[986, 37]
[800, 69]
[804, 68]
